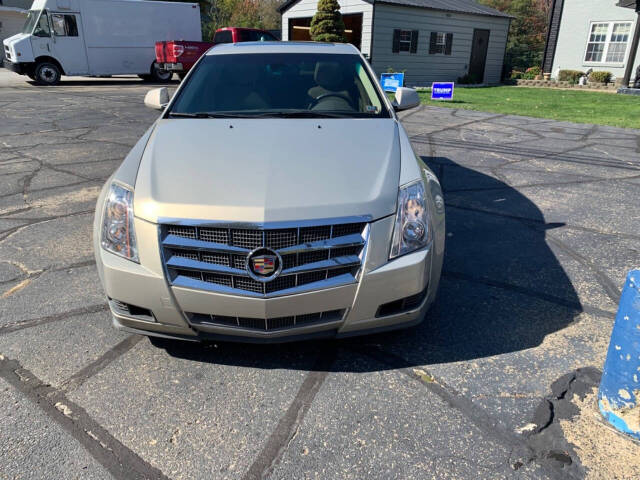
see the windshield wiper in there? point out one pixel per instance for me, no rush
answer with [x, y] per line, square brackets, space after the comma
[209, 115]
[306, 114]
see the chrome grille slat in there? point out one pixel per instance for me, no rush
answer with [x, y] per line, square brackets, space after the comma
[214, 257]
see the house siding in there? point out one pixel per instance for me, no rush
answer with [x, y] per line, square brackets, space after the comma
[574, 33]
[307, 8]
[422, 68]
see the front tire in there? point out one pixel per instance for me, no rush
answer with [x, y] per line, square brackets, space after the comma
[47, 73]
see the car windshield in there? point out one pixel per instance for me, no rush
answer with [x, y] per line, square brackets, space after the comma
[280, 84]
[32, 18]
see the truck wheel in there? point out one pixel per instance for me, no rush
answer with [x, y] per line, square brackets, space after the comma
[47, 73]
[158, 75]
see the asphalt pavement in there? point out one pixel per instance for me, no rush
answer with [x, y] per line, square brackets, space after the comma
[542, 226]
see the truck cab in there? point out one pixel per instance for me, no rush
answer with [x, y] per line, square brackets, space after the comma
[48, 40]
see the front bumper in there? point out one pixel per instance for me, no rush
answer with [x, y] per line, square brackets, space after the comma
[172, 67]
[20, 68]
[356, 308]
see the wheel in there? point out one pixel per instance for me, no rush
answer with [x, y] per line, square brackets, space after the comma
[47, 73]
[146, 78]
[158, 75]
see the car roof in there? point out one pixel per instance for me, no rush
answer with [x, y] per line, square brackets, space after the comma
[282, 47]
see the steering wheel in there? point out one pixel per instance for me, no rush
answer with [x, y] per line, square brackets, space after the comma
[317, 100]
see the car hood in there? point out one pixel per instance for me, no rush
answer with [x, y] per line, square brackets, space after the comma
[268, 170]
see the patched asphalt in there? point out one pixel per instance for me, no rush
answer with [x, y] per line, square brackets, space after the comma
[542, 226]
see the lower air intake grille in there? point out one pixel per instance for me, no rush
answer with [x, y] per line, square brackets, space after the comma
[268, 324]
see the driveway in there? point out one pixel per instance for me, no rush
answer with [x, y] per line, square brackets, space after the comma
[542, 226]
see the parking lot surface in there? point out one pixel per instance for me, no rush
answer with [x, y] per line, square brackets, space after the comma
[542, 226]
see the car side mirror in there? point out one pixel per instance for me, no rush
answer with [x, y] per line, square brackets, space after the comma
[406, 98]
[158, 98]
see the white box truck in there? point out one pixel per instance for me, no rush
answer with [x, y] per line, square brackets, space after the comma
[98, 38]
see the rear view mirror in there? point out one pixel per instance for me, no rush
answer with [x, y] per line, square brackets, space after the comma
[406, 98]
[158, 98]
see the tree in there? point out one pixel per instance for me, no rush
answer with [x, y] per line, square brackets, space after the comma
[327, 24]
[528, 31]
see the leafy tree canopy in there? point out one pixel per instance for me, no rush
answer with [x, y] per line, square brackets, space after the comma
[528, 31]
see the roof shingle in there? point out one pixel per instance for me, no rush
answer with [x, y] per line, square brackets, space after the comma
[457, 6]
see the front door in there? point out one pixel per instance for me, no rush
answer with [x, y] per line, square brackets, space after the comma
[68, 43]
[478, 59]
[41, 41]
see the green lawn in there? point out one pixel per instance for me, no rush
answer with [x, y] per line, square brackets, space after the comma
[567, 105]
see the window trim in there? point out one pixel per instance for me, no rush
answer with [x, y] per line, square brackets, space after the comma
[446, 47]
[607, 42]
[405, 42]
[413, 41]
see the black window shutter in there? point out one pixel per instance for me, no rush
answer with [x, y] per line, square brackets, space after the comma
[448, 46]
[396, 41]
[414, 41]
[432, 43]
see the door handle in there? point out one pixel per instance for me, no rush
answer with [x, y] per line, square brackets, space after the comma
[48, 49]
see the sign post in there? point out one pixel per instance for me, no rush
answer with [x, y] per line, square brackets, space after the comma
[442, 91]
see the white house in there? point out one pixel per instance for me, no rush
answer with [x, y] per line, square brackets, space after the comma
[13, 14]
[593, 34]
[431, 40]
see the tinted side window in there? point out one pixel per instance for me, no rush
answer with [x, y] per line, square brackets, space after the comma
[246, 36]
[223, 37]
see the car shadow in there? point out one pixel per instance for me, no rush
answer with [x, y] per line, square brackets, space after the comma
[502, 290]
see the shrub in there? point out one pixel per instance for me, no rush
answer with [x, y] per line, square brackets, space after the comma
[600, 77]
[327, 24]
[515, 75]
[571, 76]
[532, 72]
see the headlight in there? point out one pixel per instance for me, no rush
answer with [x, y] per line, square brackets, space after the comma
[118, 235]
[412, 230]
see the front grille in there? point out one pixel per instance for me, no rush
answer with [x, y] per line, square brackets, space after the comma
[268, 324]
[216, 257]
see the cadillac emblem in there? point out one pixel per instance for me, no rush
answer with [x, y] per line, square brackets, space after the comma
[263, 264]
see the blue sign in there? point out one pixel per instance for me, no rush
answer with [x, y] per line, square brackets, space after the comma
[442, 91]
[391, 81]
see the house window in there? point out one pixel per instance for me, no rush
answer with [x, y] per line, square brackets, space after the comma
[405, 41]
[608, 42]
[440, 43]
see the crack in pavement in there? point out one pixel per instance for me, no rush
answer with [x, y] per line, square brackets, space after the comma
[535, 221]
[22, 324]
[80, 377]
[120, 461]
[288, 425]
[488, 425]
[575, 306]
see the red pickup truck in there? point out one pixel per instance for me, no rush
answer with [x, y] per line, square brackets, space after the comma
[179, 56]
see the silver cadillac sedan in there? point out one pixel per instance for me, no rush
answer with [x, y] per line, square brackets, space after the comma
[276, 198]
